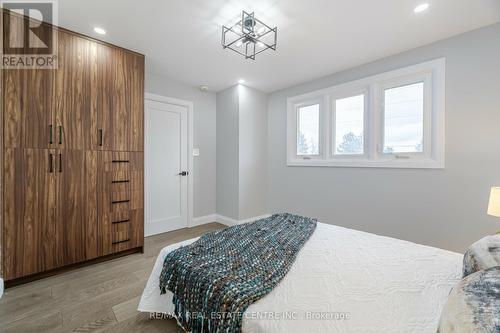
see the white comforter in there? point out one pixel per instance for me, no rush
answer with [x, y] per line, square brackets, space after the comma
[345, 281]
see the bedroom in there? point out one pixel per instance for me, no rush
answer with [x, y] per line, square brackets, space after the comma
[339, 158]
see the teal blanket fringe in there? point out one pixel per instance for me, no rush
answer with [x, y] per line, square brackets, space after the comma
[215, 279]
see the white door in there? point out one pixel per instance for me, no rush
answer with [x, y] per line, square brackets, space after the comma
[166, 167]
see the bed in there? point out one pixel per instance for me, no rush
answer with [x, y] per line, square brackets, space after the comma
[345, 280]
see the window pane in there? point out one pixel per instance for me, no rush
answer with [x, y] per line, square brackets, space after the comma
[308, 130]
[404, 119]
[349, 125]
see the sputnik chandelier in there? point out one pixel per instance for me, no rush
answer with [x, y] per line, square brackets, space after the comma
[249, 36]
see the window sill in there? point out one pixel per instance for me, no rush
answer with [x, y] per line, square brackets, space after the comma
[356, 163]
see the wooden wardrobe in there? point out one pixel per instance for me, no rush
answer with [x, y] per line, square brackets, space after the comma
[73, 147]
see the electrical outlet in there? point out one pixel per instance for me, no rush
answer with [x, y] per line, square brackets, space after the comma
[196, 151]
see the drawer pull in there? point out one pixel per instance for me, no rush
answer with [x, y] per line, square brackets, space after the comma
[122, 241]
[120, 181]
[121, 221]
[119, 201]
[120, 161]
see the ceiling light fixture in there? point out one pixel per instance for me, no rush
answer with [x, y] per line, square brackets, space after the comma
[241, 81]
[421, 8]
[245, 32]
[100, 31]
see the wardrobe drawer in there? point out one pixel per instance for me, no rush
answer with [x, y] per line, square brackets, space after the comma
[128, 200]
[126, 233]
[122, 161]
[121, 181]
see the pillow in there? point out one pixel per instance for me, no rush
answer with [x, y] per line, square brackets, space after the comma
[483, 254]
[474, 304]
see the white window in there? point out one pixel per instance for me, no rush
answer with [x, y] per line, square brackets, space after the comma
[308, 130]
[349, 126]
[394, 119]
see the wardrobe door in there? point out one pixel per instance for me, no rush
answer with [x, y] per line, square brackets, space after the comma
[72, 87]
[30, 232]
[135, 101]
[120, 100]
[76, 205]
[27, 104]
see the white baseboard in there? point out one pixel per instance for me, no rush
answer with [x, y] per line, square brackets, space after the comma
[227, 220]
[223, 220]
[203, 220]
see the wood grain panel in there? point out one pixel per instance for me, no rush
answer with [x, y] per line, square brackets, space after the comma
[29, 222]
[72, 207]
[120, 100]
[13, 82]
[37, 112]
[28, 104]
[72, 89]
[121, 205]
[135, 106]
[90, 204]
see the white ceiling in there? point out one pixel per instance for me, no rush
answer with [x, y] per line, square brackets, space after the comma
[181, 38]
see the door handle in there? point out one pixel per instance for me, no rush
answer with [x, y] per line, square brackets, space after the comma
[60, 163]
[50, 134]
[51, 163]
[60, 135]
[183, 173]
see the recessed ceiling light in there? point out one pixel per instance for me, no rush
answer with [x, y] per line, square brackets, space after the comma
[100, 31]
[239, 43]
[421, 8]
[260, 44]
[241, 81]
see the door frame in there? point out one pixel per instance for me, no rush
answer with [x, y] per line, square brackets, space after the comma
[190, 137]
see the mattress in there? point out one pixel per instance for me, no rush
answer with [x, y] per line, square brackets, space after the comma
[345, 280]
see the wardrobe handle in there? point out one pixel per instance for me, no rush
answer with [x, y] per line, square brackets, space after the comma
[51, 163]
[50, 134]
[119, 201]
[60, 135]
[100, 137]
[120, 221]
[60, 163]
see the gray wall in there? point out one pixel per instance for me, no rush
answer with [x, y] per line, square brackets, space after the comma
[443, 208]
[227, 153]
[241, 153]
[204, 137]
[252, 153]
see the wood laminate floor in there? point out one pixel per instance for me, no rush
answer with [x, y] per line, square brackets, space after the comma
[97, 298]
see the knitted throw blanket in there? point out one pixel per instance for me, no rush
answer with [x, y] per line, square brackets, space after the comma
[215, 279]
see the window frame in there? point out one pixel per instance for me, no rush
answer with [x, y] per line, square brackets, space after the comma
[426, 79]
[347, 93]
[432, 73]
[305, 104]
